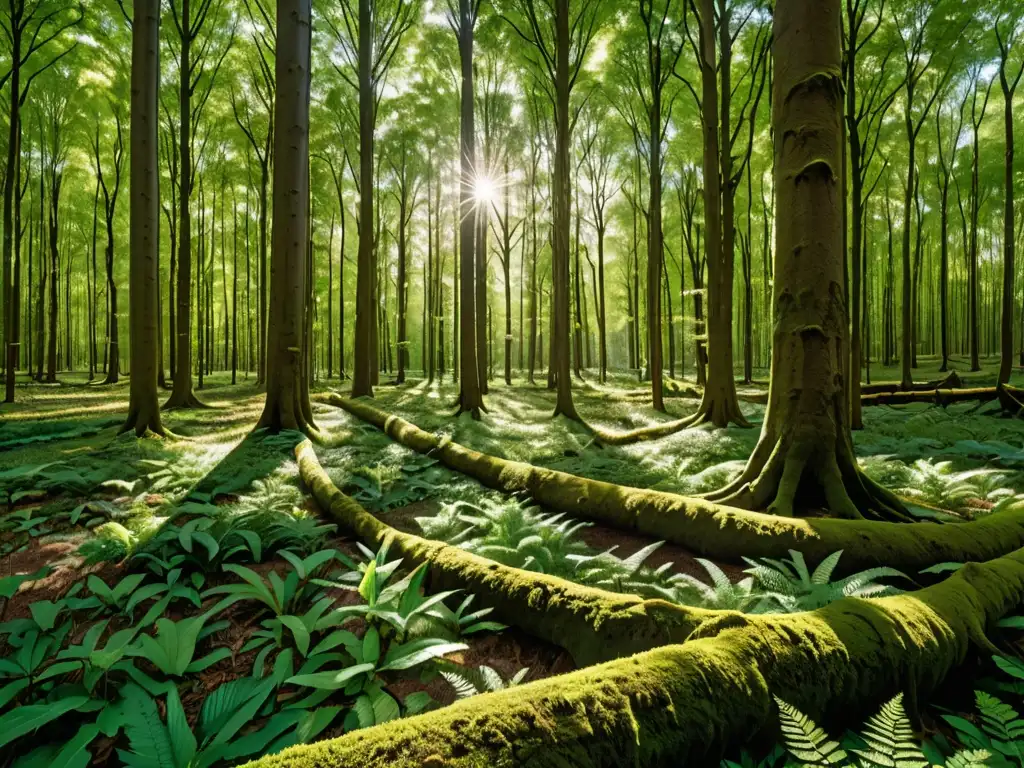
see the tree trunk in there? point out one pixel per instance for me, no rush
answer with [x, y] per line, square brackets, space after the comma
[143, 295]
[287, 405]
[470, 392]
[560, 237]
[366, 304]
[805, 457]
[181, 394]
[1009, 268]
[719, 405]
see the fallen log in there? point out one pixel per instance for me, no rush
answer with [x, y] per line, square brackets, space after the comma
[686, 704]
[941, 397]
[591, 624]
[710, 529]
[951, 380]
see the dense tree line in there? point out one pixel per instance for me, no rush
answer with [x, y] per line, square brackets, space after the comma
[601, 197]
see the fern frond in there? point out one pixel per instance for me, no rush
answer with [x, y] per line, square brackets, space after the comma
[890, 739]
[805, 740]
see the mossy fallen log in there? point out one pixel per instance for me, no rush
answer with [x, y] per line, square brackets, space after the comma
[709, 529]
[951, 380]
[685, 704]
[941, 397]
[591, 624]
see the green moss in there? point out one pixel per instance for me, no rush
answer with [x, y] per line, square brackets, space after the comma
[591, 624]
[709, 529]
[684, 704]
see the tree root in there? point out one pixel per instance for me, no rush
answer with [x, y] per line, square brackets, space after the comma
[653, 432]
[189, 402]
[591, 624]
[711, 529]
[686, 704]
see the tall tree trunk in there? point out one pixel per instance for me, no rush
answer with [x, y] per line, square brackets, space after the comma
[1009, 86]
[805, 454]
[366, 302]
[287, 405]
[181, 394]
[144, 292]
[470, 388]
[719, 405]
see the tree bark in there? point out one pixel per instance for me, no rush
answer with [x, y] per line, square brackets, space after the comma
[287, 405]
[143, 295]
[805, 455]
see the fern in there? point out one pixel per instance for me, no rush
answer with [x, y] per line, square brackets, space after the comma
[890, 739]
[469, 681]
[805, 740]
[970, 758]
[1002, 723]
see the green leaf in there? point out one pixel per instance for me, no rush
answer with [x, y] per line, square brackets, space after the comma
[23, 720]
[418, 651]
[371, 645]
[368, 585]
[183, 741]
[385, 707]
[299, 631]
[331, 680]
[148, 739]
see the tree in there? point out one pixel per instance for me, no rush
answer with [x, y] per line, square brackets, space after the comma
[805, 450]
[598, 165]
[143, 295]
[920, 46]
[196, 76]
[462, 20]
[865, 110]
[1008, 34]
[287, 405]
[560, 35]
[30, 26]
[260, 68]
[110, 195]
[369, 36]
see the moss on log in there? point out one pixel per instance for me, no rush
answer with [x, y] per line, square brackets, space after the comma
[941, 397]
[709, 529]
[951, 381]
[591, 624]
[685, 704]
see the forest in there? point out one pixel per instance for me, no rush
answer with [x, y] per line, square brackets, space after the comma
[547, 383]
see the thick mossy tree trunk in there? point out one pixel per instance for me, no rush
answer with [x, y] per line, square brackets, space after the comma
[805, 455]
[144, 293]
[287, 405]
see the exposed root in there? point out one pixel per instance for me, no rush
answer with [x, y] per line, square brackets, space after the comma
[188, 402]
[653, 432]
[716, 530]
[686, 704]
[591, 624]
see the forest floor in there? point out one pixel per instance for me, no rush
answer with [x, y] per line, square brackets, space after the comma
[83, 503]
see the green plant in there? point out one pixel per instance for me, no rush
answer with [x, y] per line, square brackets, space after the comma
[470, 681]
[297, 591]
[886, 740]
[9, 585]
[96, 663]
[172, 650]
[224, 714]
[793, 587]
